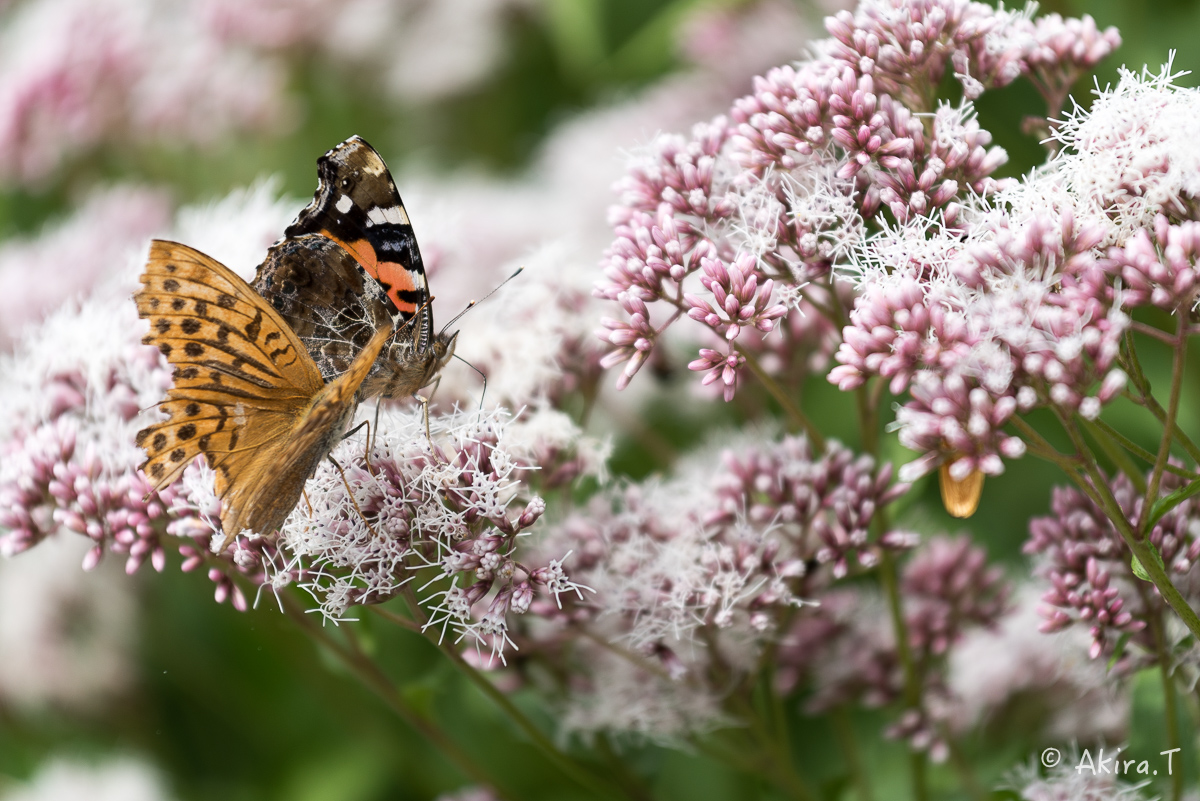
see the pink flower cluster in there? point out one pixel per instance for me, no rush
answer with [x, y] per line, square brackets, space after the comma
[719, 556]
[1023, 317]
[408, 506]
[1087, 563]
[56, 476]
[49, 479]
[1160, 269]
[752, 208]
[948, 586]
[826, 503]
[947, 589]
[78, 74]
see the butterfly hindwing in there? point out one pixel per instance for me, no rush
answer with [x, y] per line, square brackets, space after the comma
[323, 294]
[267, 478]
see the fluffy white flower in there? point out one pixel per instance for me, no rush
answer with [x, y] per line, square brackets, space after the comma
[66, 635]
[123, 779]
[1130, 156]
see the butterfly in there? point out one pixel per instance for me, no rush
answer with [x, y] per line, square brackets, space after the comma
[246, 394]
[348, 264]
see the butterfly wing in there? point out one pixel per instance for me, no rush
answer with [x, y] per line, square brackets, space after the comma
[261, 496]
[357, 206]
[348, 262]
[326, 298]
[246, 394]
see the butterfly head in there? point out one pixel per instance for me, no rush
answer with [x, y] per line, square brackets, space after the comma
[404, 366]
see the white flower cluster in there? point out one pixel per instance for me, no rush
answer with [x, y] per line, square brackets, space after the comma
[1129, 157]
[429, 496]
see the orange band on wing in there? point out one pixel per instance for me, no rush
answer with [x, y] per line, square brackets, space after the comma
[393, 276]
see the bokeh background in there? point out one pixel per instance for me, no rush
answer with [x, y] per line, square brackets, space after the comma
[504, 123]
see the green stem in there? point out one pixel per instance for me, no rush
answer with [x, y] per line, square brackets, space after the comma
[1112, 449]
[1140, 547]
[1140, 452]
[563, 762]
[1150, 404]
[1164, 449]
[778, 762]
[392, 617]
[962, 765]
[621, 772]
[1169, 700]
[843, 727]
[912, 682]
[1040, 447]
[367, 672]
[865, 403]
[798, 419]
[1145, 398]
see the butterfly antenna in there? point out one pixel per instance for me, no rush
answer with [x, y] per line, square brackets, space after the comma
[481, 375]
[472, 304]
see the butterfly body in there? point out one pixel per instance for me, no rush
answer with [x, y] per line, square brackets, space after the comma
[246, 394]
[349, 262]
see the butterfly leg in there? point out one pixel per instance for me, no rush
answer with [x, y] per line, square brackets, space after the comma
[421, 399]
[370, 442]
[367, 424]
[354, 430]
[353, 500]
[307, 502]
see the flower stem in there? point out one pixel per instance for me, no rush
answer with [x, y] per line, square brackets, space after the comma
[367, 672]
[799, 420]
[912, 682]
[1169, 700]
[1164, 449]
[1113, 451]
[779, 762]
[1137, 376]
[1138, 451]
[1134, 539]
[843, 727]
[392, 617]
[966, 771]
[563, 762]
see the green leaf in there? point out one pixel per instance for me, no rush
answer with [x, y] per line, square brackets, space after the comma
[1168, 503]
[1139, 570]
[1123, 640]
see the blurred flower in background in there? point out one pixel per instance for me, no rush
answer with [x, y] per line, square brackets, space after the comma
[70, 780]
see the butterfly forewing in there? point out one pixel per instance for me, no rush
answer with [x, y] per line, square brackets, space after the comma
[357, 206]
[246, 394]
[349, 261]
